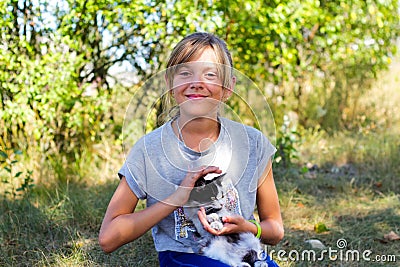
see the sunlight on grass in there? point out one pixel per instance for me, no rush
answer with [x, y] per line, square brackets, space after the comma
[362, 219]
[385, 96]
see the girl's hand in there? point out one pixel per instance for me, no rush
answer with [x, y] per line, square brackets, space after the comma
[232, 224]
[181, 195]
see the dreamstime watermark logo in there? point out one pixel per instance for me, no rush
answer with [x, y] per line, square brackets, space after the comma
[340, 253]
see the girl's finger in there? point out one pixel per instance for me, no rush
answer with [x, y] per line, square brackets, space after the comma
[203, 172]
[203, 219]
[209, 169]
[232, 219]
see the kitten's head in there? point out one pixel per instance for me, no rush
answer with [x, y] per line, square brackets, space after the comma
[208, 193]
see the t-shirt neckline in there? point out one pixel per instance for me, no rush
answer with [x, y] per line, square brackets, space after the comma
[190, 151]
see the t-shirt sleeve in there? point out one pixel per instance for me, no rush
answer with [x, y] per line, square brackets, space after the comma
[265, 151]
[134, 170]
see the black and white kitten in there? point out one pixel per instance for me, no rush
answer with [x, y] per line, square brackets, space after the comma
[237, 250]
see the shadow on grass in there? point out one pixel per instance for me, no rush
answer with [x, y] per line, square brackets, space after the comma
[57, 225]
[368, 161]
[380, 176]
[26, 233]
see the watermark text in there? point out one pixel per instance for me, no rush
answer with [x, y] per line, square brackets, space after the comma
[332, 254]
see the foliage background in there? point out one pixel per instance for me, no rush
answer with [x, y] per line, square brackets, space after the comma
[69, 68]
[313, 59]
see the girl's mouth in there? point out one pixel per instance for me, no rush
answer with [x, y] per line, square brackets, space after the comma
[195, 96]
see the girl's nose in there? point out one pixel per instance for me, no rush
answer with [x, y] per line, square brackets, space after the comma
[196, 84]
[196, 81]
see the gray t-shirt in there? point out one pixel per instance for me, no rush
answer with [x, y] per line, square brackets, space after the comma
[159, 161]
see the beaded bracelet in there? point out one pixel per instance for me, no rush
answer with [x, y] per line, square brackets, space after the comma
[258, 235]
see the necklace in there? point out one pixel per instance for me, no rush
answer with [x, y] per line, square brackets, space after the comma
[204, 141]
[179, 130]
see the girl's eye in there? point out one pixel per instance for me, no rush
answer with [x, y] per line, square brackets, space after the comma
[184, 73]
[211, 75]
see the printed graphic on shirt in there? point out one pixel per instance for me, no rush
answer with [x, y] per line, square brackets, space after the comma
[232, 200]
[182, 224]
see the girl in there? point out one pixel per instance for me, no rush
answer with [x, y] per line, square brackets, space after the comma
[164, 165]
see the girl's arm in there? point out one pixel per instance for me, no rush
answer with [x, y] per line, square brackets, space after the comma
[268, 209]
[122, 225]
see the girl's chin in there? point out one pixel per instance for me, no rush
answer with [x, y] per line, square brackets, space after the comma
[193, 111]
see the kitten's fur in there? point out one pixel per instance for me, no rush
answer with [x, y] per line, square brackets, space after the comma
[236, 250]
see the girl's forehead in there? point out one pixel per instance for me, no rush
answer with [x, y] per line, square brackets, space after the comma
[207, 55]
[198, 65]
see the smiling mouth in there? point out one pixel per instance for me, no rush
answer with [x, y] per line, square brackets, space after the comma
[196, 96]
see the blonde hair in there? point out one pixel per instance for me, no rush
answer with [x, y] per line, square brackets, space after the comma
[190, 47]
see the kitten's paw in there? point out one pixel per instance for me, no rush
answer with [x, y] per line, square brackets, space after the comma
[213, 217]
[217, 225]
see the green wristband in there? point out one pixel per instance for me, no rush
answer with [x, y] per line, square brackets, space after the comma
[258, 227]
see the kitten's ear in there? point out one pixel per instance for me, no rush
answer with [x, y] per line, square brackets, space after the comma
[200, 182]
[219, 178]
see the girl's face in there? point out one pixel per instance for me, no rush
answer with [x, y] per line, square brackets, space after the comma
[197, 86]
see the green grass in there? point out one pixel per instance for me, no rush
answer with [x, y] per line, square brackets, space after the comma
[354, 192]
[57, 225]
[359, 214]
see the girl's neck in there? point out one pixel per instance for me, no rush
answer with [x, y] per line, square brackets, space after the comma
[199, 133]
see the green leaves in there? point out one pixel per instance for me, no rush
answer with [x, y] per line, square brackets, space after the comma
[318, 43]
[3, 155]
[56, 81]
[320, 228]
[13, 182]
